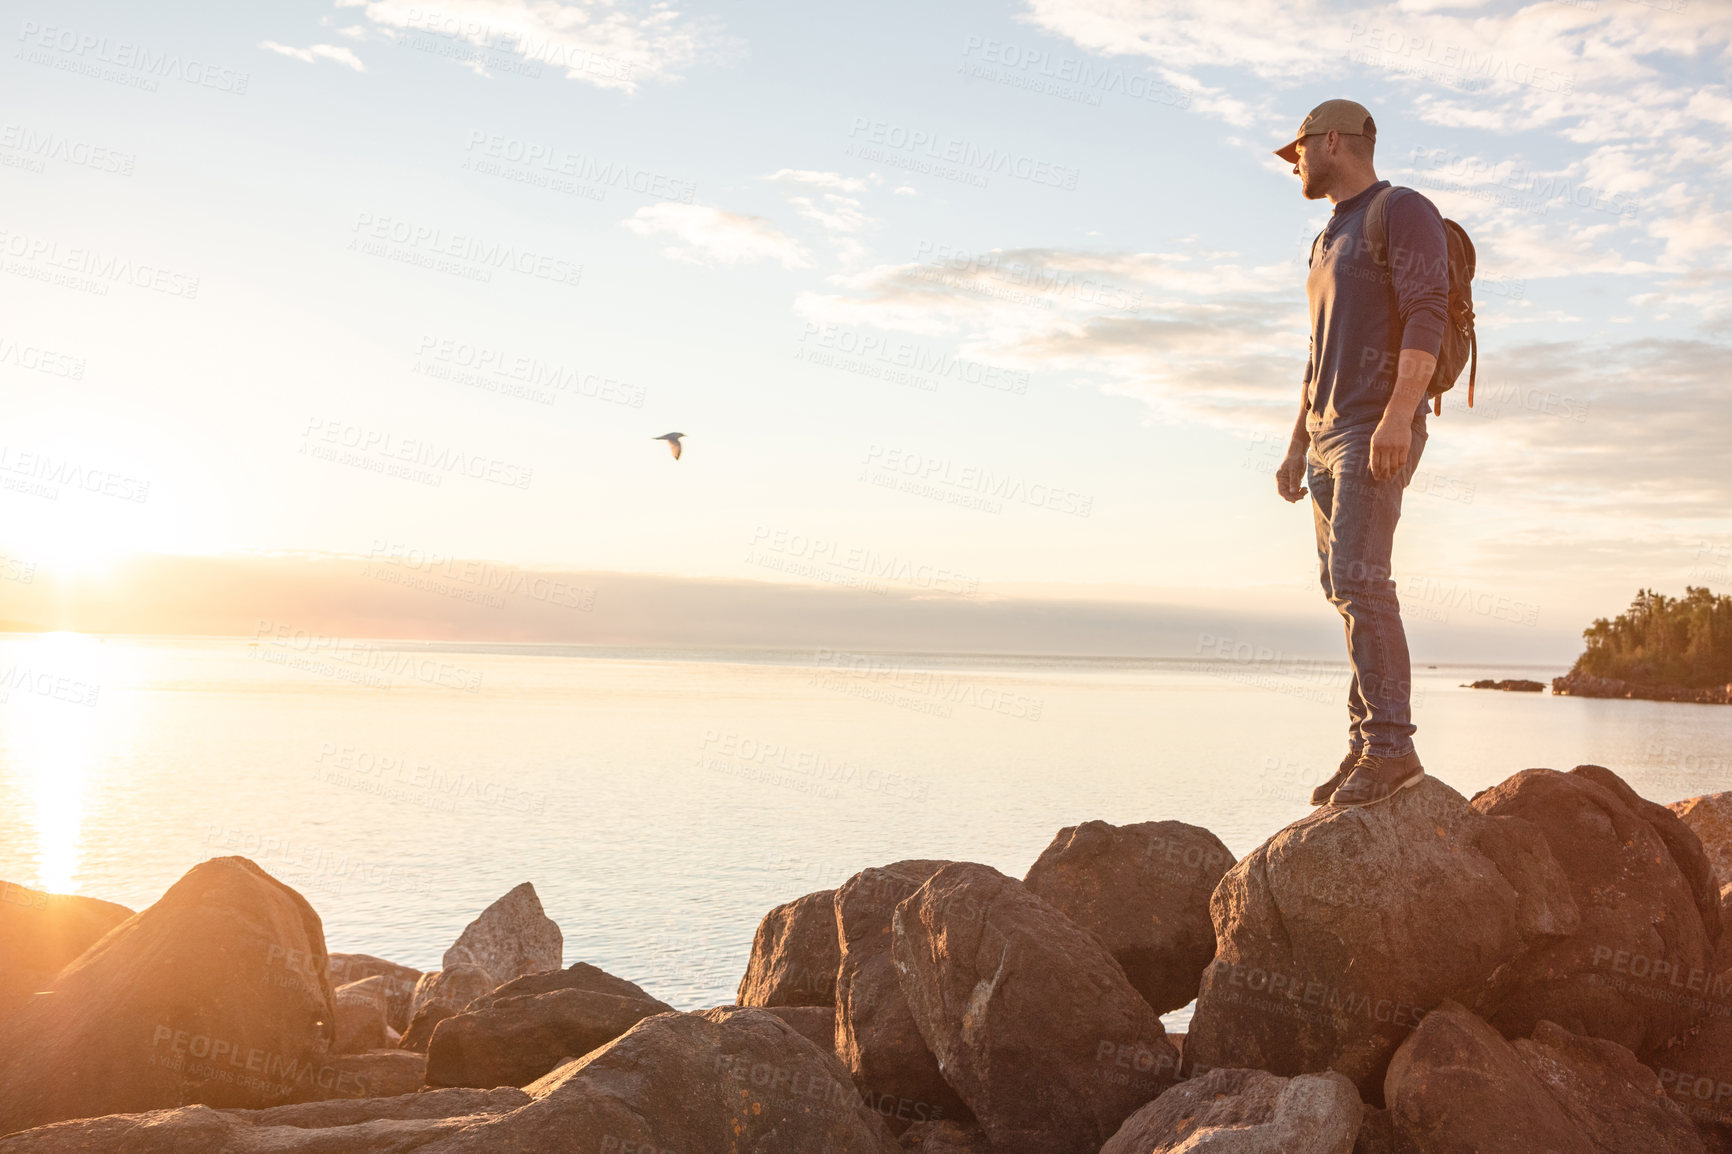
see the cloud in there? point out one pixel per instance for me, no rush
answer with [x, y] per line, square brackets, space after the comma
[1194, 335]
[1628, 429]
[842, 217]
[833, 180]
[599, 42]
[317, 52]
[836, 214]
[343, 597]
[1528, 79]
[709, 235]
[1612, 429]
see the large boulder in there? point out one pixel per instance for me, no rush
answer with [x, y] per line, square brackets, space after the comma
[214, 994]
[1710, 819]
[816, 1022]
[41, 932]
[392, 1125]
[1649, 906]
[365, 1074]
[440, 994]
[1613, 1099]
[946, 1136]
[1723, 957]
[1024, 1010]
[1695, 1070]
[1377, 1134]
[526, 1027]
[692, 1082]
[511, 938]
[361, 1015]
[724, 1079]
[1458, 1087]
[1144, 891]
[794, 955]
[1229, 1111]
[876, 1035]
[1335, 936]
[399, 982]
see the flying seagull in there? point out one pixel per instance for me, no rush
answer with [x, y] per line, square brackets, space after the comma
[673, 440]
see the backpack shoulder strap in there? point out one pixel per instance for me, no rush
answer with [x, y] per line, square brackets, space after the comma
[1377, 225]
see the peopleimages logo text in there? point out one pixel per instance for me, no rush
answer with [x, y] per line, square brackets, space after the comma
[434, 241]
[88, 47]
[968, 156]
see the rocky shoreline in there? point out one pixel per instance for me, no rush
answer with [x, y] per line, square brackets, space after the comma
[1574, 684]
[1510, 685]
[1543, 967]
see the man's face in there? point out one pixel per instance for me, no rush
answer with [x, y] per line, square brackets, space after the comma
[1314, 166]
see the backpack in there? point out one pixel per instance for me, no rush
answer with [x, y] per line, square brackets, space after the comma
[1460, 344]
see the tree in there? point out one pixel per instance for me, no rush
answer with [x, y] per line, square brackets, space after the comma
[1660, 640]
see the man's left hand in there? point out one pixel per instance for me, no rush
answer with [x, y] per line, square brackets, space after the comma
[1390, 445]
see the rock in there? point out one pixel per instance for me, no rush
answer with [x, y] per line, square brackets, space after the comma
[383, 1073]
[1336, 935]
[723, 1079]
[525, 1028]
[1723, 956]
[1376, 1133]
[360, 1021]
[1695, 1071]
[216, 994]
[1610, 1097]
[1144, 891]
[679, 1082]
[1026, 1012]
[366, 1126]
[795, 954]
[1710, 819]
[815, 1022]
[876, 1037]
[1649, 911]
[945, 1137]
[440, 994]
[1456, 1087]
[1229, 1111]
[511, 938]
[41, 932]
[425, 1104]
[1510, 685]
[1575, 684]
[400, 982]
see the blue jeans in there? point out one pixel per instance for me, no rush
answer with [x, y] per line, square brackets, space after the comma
[1355, 517]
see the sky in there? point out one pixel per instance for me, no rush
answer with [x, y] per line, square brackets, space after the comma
[1000, 300]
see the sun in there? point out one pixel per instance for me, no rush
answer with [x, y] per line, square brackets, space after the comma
[72, 550]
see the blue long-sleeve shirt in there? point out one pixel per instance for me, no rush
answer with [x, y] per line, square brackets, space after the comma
[1357, 326]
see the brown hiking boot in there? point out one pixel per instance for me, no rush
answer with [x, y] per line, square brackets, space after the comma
[1322, 794]
[1376, 779]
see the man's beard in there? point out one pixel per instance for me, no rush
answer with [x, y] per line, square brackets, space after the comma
[1312, 184]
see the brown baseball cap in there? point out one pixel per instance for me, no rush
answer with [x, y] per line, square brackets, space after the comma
[1348, 117]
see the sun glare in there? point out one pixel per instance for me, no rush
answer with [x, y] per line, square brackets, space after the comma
[80, 554]
[53, 697]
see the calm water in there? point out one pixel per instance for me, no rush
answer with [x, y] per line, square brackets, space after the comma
[662, 802]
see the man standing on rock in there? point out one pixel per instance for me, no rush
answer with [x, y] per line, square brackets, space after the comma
[1377, 321]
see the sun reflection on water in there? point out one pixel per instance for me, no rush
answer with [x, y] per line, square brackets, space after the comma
[53, 689]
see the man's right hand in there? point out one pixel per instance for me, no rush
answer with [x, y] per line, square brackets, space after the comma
[1290, 477]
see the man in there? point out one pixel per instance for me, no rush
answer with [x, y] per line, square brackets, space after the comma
[1377, 321]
